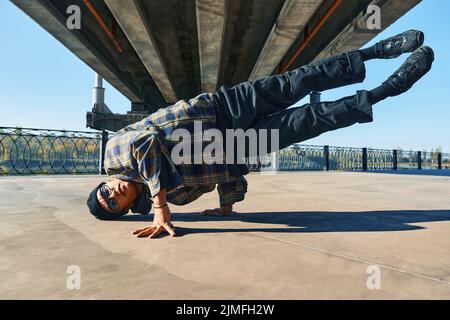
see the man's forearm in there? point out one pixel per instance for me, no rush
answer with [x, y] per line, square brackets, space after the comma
[160, 198]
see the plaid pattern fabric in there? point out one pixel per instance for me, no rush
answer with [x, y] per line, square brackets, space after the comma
[134, 153]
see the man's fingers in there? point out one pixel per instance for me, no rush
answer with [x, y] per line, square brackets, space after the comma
[156, 232]
[146, 232]
[140, 230]
[169, 228]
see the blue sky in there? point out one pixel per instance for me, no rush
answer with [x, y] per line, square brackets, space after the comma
[43, 85]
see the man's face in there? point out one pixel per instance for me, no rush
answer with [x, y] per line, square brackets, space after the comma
[117, 195]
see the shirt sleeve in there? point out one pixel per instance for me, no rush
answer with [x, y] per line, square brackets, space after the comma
[147, 152]
[184, 195]
[164, 178]
[232, 191]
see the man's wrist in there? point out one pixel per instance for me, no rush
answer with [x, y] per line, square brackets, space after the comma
[160, 206]
[160, 199]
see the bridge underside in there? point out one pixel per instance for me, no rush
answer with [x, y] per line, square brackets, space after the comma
[157, 52]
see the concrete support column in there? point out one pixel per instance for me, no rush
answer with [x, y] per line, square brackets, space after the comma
[98, 93]
[138, 107]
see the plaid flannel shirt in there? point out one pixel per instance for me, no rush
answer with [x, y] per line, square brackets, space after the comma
[135, 152]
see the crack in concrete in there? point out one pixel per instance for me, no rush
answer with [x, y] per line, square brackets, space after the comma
[351, 258]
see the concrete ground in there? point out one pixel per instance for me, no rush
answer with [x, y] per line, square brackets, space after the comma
[296, 236]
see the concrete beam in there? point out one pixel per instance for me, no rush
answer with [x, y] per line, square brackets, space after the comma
[290, 23]
[356, 34]
[55, 23]
[247, 26]
[133, 23]
[210, 27]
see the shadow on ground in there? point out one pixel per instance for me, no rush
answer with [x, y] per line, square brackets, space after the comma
[308, 222]
[424, 172]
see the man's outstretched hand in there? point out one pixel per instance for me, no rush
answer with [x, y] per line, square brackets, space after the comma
[161, 222]
[218, 212]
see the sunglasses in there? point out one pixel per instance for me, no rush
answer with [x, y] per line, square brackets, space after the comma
[106, 193]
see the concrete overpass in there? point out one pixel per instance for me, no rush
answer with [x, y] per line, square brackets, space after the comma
[156, 52]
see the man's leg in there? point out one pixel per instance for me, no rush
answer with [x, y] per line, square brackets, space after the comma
[245, 103]
[249, 101]
[303, 123]
[308, 121]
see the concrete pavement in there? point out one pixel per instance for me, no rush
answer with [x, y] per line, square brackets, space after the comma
[296, 236]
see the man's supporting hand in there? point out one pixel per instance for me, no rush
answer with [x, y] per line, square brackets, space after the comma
[222, 211]
[161, 219]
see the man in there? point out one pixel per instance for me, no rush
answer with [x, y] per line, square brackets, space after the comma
[139, 156]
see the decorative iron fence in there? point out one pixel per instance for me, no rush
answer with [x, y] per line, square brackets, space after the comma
[379, 159]
[295, 158]
[307, 158]
[445, 161]
[345, 158]
[407, 160]
[47, 151]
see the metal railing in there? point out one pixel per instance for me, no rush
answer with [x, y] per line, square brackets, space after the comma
[48, 151]
[380, 159]
[317, 158]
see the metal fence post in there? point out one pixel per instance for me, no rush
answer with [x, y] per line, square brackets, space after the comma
[395, 159]
[419, 160]
[364, 159]
[326, 156]
[101, 167]
[439, 161]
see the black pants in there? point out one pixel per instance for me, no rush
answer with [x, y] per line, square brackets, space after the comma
[263, 103]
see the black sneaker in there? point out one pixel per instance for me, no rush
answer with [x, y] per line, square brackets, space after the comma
[414, 68]
[393, 47]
